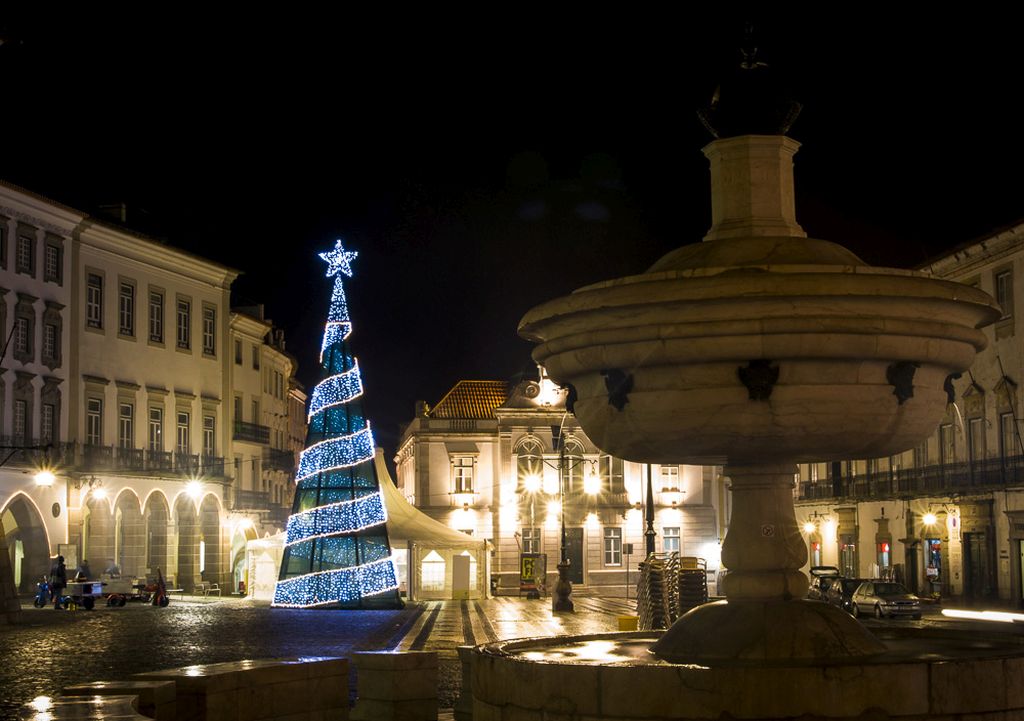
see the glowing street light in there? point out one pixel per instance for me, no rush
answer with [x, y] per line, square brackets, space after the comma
[809, 527]
[929, 519]
[44, 478]
[532, 483]
[194, 489]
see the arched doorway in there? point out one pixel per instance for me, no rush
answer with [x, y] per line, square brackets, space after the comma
[188, 543]
[97, 535]
[129, 537]
[210, 556]
[243, 533]
[156, 534]
[26, 542]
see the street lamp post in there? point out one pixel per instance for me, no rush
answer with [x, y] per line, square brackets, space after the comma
[560, 601]
[532, 484]
[649, 534]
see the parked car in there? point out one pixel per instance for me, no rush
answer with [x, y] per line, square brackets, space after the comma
[884, 598]
[821, 579]
[840, 593]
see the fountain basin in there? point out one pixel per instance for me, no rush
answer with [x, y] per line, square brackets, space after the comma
[922, 674]
[833, 330]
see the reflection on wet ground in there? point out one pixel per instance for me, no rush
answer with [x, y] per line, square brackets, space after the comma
[52, 649]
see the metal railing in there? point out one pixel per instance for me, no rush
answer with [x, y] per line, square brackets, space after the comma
[278, 460]
[250, 500]
[252, 432]
[90, 458]
[940, 478]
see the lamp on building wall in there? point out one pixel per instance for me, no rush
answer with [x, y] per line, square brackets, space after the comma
[44, 478]
[92, 485]
[814, 521]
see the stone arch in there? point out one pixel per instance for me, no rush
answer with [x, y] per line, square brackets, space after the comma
[238, 565]
[97, 534]
[27, 542]
[211, 554]
[157, 517]
[129, 536]
[188, 542]
[529, 452]
[572, 470]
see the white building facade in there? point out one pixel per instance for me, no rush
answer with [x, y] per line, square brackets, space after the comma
[125, 389]
[485, 461]
[35, 298]
[946, 517]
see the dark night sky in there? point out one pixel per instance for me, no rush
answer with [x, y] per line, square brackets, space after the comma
[481, 164]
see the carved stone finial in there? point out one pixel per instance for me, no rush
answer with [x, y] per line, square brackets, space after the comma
[759, 377]
[947, 386]
[570, 397]
[619, 385]
[900, 376]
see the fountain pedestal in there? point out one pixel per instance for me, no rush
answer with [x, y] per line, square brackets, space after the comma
[763, 618]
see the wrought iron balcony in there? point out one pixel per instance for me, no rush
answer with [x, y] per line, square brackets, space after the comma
[250, 500]
[35, 452]
[92, 458]
[278, 460]
[942, 479]
[252, 432]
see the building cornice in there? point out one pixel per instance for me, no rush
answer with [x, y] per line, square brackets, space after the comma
[123, 244]
[38, 210]
[971, 257]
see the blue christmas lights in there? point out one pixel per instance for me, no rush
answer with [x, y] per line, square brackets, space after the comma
[337, 551]
[336, 390]
[335, 453]
[328, 587]
[345, 517]
[334, 333]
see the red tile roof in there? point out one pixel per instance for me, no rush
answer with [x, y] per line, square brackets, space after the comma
[471, 399]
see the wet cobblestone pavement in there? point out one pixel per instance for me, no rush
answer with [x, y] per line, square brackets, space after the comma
[52, 649]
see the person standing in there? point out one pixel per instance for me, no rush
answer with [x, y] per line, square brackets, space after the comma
[58, 582]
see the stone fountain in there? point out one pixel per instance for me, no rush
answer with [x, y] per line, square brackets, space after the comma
[757, 349]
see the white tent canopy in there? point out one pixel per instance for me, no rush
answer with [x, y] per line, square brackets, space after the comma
[440, 562]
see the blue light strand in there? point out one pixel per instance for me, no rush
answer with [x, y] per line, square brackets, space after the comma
[323, 588]
[336, 390]
[334, 333]
[335, 453]
[345, 517]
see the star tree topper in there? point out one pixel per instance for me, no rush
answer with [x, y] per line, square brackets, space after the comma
[339, 259]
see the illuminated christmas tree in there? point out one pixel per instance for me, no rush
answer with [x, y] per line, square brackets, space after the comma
[336, 552]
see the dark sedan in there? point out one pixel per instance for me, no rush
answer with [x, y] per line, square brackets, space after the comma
[883, 598]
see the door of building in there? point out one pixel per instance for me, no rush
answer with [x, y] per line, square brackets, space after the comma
[1020, 574]
[913, 567]
[574, 552]
[976, 567]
